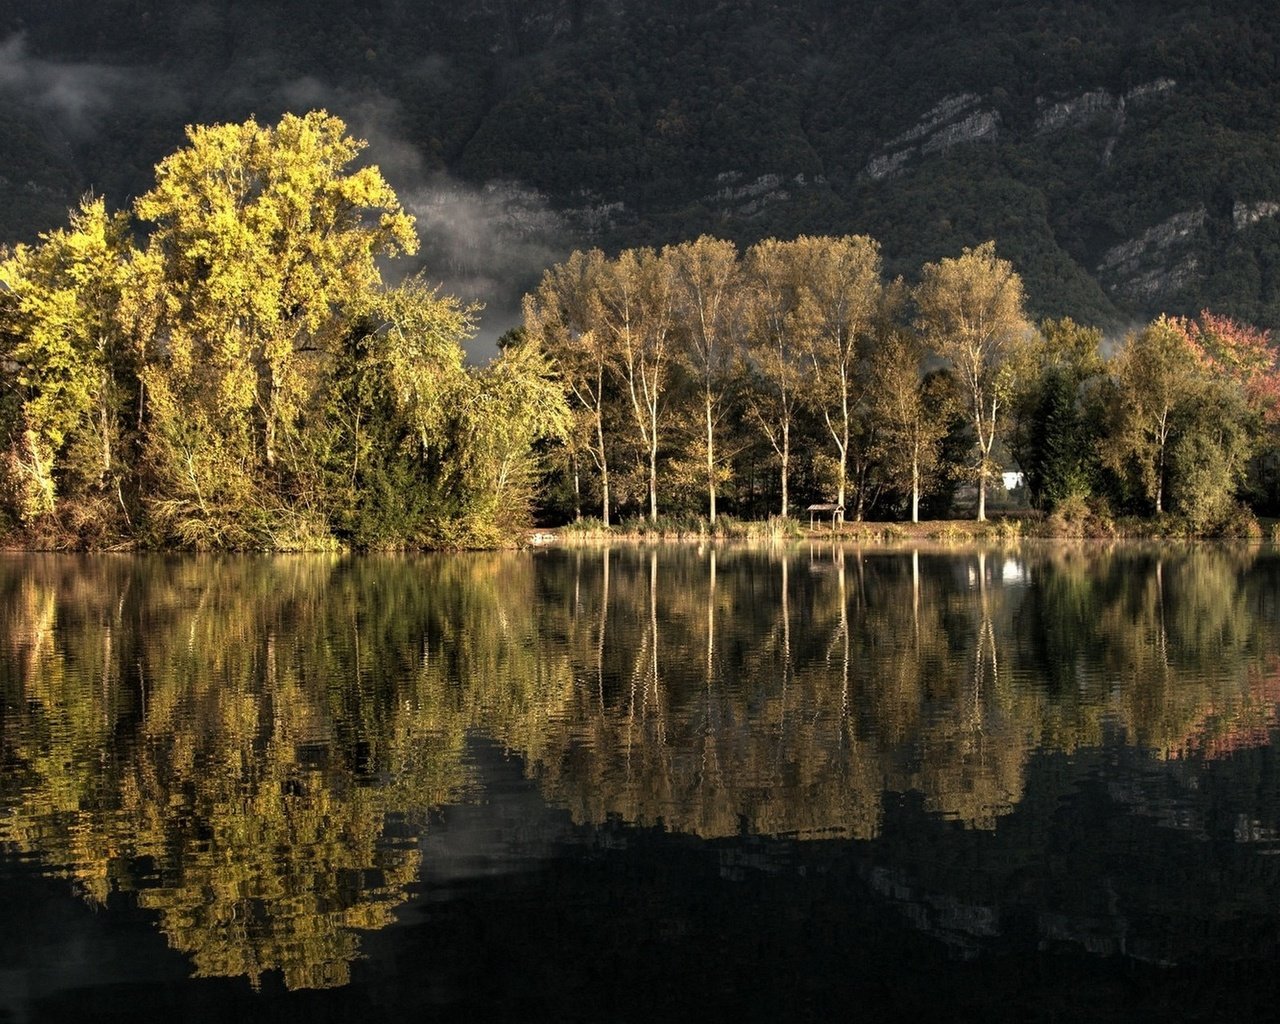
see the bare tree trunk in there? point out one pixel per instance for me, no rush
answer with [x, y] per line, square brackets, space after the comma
[577, 491]
[653, 481]
[1163, 437]
[604, 471]
[844, 476]
[104, 416]
[711, 462]
[984, 466]
[1160, 483]
[271, 442]
[786, 464]
[984, 449]
[915, 485]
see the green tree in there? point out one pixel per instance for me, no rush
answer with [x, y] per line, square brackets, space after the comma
[971, 310]
[1052, 437]
[420, 448]
[637, 299]
[1246, 356]
[913, 412]
[773, 354]
[564, 317]
[510, 406]
[1209, 455]
[390, 431]
[1155, 377]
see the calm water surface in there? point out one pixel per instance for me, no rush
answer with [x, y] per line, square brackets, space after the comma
[1026, 784]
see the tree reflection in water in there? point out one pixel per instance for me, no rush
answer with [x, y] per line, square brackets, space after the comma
[254, 746]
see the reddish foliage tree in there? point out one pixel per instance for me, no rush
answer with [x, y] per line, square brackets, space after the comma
[1242, 353]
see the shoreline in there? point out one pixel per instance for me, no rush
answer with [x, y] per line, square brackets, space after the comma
[999, 529]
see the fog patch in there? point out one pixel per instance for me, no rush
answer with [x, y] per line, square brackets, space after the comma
[488, 243]
[485, 243]
[1117, 337]
[75, 95]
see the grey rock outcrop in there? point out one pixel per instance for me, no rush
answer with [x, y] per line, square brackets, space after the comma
[1156, 263]
[953, 121]
[1244, 214]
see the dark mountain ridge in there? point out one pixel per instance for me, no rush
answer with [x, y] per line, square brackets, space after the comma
[1125, 157]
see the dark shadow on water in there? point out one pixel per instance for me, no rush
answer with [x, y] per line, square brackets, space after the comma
[526, 916]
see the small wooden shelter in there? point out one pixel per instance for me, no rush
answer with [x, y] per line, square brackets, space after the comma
[837, 513]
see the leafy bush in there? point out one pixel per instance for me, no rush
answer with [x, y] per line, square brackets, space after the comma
[1078, 515]
[1240, 523]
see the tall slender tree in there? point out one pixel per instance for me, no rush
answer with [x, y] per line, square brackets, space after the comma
[838, 301]
[637, 298]
[775, 357]
[971, 311]
[707, 306]
[509, 406]
[564, 316]
[912, 411]
[70, 364]
[1052, 437]
[1155, 375]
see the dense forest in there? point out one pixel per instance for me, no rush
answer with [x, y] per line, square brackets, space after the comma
[1125, 156]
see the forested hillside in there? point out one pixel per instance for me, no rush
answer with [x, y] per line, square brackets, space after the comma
[1125, 157]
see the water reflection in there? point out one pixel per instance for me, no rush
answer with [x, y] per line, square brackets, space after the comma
[252, 748]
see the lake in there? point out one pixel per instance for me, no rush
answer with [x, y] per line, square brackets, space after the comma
[634, 783]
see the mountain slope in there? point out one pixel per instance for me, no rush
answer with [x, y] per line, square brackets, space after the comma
[1126, 157]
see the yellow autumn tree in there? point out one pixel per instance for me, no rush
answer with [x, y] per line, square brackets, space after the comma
[62, 339]
[972, 311]
[261, 237]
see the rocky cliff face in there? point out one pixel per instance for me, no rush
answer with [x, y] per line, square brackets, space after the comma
[748, 199]
[1144, 256]
[1096, 104]
[965, 119]
[1245, 214]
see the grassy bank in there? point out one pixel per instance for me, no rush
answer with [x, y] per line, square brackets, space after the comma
[1069, 524]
